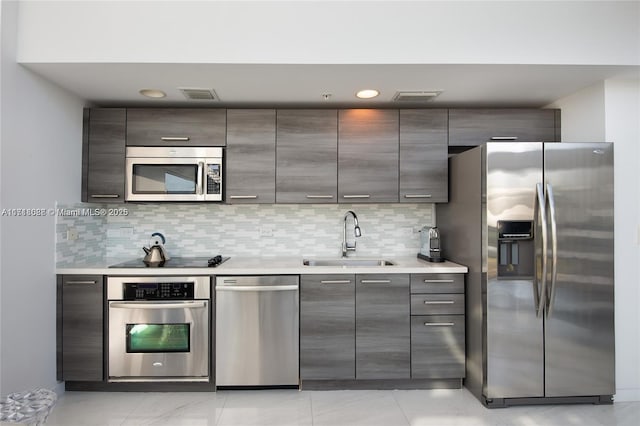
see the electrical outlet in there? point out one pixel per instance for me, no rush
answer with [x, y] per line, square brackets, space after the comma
[266, 231]
[72, 234]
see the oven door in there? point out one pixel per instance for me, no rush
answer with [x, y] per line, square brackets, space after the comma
[174, 179]
[163, 340]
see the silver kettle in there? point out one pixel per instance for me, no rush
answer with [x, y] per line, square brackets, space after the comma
[156, 254]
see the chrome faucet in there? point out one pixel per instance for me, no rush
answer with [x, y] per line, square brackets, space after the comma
[346, 247]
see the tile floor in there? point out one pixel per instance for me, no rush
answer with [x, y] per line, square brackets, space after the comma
[321, 408]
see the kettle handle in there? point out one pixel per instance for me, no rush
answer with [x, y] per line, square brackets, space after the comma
[159, 235]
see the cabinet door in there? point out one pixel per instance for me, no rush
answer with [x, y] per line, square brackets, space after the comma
[437, 283]
[437, 347]
[82, 327]
[471, 127]
[103, 155]
[251, 156]
[176, 127]
[327, 327]
[382, 326]
[307, 156]
[423, 156]
[368, 155]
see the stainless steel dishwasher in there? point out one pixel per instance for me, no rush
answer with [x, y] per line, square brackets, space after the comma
[257, 331]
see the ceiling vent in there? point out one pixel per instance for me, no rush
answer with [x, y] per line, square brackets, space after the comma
[196, 94]
[416, 95]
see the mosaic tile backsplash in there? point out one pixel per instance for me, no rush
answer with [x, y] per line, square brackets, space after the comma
[239, 230]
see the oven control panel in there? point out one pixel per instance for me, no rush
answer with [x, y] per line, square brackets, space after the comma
[159, 291]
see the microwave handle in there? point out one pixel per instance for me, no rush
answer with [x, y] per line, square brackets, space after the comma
[200, 178]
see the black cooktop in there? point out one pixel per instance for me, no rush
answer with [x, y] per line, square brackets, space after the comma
[176, 262]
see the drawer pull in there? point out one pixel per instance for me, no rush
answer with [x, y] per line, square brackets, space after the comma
[437, 281]
[417, 196]
[244, 197]
[504, 138]
[320, 196]
[105, 196]
[375, 281]
[439, 324]
[439, 302]
[80, 282]
[357, 196]
[175, 138]
[335, 282]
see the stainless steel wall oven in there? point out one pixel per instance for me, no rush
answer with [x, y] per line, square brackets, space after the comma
[159, 328]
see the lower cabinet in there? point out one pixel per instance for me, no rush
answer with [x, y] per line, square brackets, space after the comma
[437, 326]
[383, 344]
[327, 327]
[80, 328]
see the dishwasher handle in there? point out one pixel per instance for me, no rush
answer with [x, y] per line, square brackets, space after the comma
[257, 288]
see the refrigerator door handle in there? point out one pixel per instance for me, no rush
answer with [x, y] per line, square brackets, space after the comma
[554, 248]
[540, 211]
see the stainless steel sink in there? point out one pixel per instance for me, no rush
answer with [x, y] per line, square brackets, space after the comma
[347, 262]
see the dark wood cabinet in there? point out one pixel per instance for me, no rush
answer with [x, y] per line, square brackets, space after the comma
[471, 127]
[103, 155]
[383, 344]
[251, 156]
[368, 146]
[307, 155]
[81, 305]
[176, 127]
[423, 156]
[327, 327]
[437, 326]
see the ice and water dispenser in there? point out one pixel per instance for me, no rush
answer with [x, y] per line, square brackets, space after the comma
[515, 248]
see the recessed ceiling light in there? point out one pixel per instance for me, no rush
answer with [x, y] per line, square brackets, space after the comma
[152, 93]
[367, 93]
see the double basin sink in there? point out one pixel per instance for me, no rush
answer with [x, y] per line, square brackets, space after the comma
[346, 262]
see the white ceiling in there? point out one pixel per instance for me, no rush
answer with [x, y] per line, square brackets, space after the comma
[303, 85]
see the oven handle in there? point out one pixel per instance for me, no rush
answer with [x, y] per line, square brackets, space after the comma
[156, 305]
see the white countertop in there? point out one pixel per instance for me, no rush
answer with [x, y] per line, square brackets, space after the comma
[273, 266]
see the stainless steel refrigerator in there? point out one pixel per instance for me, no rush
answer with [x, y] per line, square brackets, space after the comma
[534, 224]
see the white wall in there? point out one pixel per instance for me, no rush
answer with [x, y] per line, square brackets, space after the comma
[323, 32]
[41, 143]
[610, 111]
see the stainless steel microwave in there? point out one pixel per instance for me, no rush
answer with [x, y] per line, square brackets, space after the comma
[174, 174]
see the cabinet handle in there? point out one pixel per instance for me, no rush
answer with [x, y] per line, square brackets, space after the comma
[439, 324]
[335, 282]
[439, 302]
[105, 196]
[417, 195]
[375, 281]
[357, 196]
[320, 196]
[80, 282]
[437, 281]
[244, 197]
[175, 138]
[504, 138]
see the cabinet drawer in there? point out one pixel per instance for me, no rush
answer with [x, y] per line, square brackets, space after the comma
[437, 347]
[176, 127]
[437, 283]
[437, 304]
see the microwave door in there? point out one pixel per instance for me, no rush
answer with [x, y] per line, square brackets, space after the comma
[164, 179]
[212, 180]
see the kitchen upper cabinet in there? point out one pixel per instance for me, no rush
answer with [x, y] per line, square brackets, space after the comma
[423, 156]
[251, 156]
[103, 155]
[176, 127]
[471, 127]
[368, 155]
[383, 343]
[81, 317]
[327, 327]
[307, 152]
